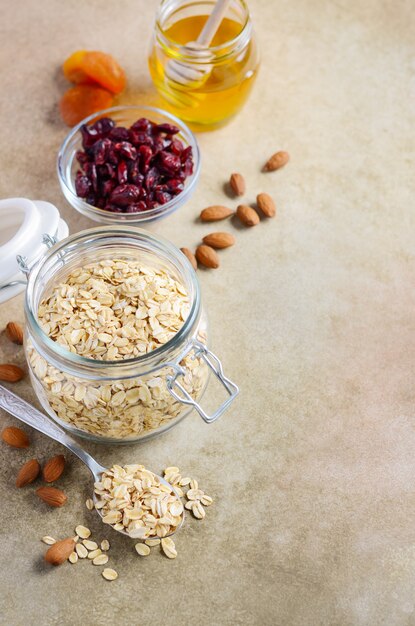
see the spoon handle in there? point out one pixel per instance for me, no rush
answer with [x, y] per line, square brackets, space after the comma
[27, 413]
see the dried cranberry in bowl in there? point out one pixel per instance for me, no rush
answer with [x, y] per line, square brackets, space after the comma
[129, 170]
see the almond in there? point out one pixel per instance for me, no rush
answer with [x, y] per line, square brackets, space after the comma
[279, 159]
[207, 256]
[190, 256]
[237, 183]
[15, 437]
[28, 473]
[247, 215]
[53, 469]
[215, 213]
[52, 496]
[266, 204]
[219, 240]
[15, 332]
[11, 373]
[60, 551]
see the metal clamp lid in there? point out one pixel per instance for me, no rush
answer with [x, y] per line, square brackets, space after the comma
[212, 361]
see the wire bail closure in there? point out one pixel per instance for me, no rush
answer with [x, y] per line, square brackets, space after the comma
[215, 365]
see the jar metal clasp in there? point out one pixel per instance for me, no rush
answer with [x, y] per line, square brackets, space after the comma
[215, 365]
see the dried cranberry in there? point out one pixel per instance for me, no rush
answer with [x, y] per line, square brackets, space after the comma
[123, 195]
[100, 151]
[113, 208]
[151, 178]
[176, 146]
[103, 126]
[137, 207]
[169, 129]
[146, 154]
[122, 172]
[81, 157]
[186, 153]
[119, 134]
[89, 136]
[82, 185]
[188, 167]
[126, 149]
[143, 124]
[134, 174]
[139, 138]
[175, 185]
[169, 163]
[106, 187]
[162, 197]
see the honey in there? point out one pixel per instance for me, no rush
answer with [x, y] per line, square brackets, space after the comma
[228, 79]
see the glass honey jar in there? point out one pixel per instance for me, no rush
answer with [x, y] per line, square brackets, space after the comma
[226, 69]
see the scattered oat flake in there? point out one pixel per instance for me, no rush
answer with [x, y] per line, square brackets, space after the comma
[168, 547]
[198, 510]
[185, 481]
[206, 500]
[171, 470]
[94, 553]
[142, 549]
[109, 574]
[101, 559]
[81, 551]
[48, 540]
[189, 505]
[73, 557]
[105, 545]
[89, 503]
[194, 484]
[90, 545]
[83, 532]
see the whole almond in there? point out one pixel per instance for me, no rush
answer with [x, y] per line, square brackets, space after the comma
[16, 437]
[215, 213]
[278, 160]
[52, 496]
[53, 468]
[219, 240]
[15, 332]
[237, 183]
[28, 473]
[247, 215]
[266, 204]
[207, 256]
[11, 373]
[190, 256]
[60, 551]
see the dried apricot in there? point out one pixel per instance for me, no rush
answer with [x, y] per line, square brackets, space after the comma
[91, 66]
[72, 68]
[83, 100]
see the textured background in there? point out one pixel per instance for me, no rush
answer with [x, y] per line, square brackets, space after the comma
[312, 314]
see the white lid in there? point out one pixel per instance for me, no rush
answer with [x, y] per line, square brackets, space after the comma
[23, 226]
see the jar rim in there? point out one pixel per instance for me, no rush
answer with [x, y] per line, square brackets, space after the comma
[219, 51]
[153, 358]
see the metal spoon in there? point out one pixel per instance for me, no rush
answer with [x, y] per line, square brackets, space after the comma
[27, 413]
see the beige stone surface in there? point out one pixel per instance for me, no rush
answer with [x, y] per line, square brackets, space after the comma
[312, 469]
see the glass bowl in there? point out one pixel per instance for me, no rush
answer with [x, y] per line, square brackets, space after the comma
[125, 116]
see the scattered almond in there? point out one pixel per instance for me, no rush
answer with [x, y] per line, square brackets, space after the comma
[219, 240]
[190, 256]
[52, 496]
[215, 213]
[237, 183]
[15, 332]
[207, 256]
[60, 551]
[53, 469]
[28, 473]
[266, 204]
[11, 373]
[247, 215]
[16, 437]
[278, 160]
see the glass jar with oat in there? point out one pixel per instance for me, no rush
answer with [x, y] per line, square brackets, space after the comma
[116, 337]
